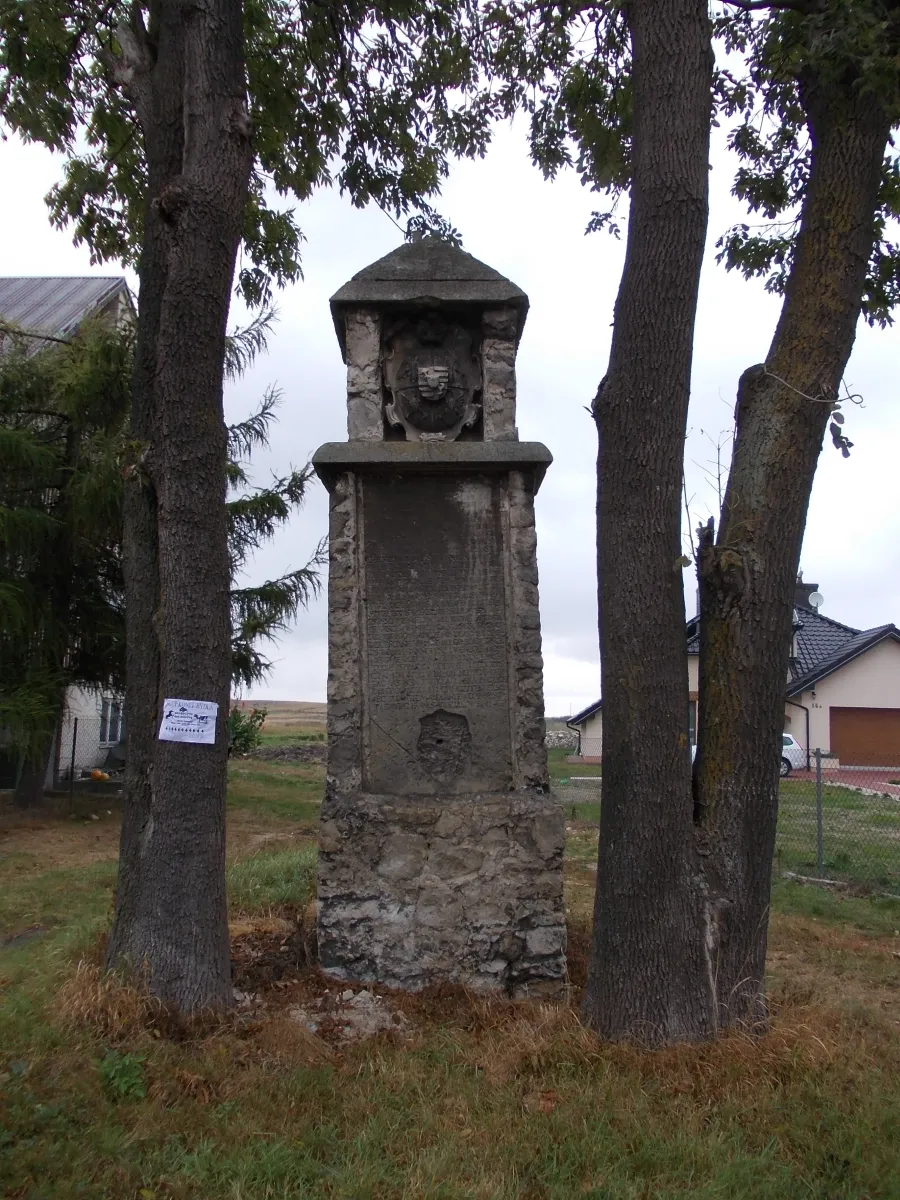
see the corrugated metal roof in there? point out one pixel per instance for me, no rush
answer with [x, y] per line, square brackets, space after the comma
[55, 304]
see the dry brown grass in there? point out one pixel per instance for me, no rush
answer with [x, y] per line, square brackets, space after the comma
[118, 1013]
[474, 1097]
[525, 1040]
[480, 1090]
[502, 1038]
[107, 1005]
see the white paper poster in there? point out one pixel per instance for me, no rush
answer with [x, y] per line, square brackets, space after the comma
[189, 721]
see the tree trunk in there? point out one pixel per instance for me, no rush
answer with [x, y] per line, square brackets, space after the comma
[649, 976]
[747, 577]
[171, 918]
[29, 791]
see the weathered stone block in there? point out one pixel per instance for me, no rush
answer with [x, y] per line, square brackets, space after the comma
[409, 910]
[364, 392]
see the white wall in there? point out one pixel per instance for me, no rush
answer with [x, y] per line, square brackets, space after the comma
[87, 707]
[592, 735]
[870, 681]
[693, 673]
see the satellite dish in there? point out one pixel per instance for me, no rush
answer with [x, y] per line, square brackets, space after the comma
[816, 599]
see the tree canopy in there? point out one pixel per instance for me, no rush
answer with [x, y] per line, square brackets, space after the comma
[370, 99]
[568, 68]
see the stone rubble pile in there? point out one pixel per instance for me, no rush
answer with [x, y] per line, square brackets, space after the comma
[298, 752]
[354, 1015]
[565, 739]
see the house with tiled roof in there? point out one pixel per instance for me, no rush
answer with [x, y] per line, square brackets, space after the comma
[842, 694]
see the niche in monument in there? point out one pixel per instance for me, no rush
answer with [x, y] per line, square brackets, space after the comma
[441, 844]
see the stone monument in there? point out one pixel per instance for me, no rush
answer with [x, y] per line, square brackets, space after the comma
[441, 846]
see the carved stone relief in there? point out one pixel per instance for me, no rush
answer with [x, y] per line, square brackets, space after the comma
[432, 374]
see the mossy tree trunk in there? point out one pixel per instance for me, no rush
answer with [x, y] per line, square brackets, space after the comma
[747, 573]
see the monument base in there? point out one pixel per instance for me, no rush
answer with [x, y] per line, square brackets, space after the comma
[423, 890]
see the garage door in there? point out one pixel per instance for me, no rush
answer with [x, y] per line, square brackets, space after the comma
[866, 737]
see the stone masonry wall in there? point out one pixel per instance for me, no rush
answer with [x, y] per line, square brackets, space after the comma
[344, 720]
[498, 370]
[414, 891]
[362, 331]
[525, 617]
[421, 889]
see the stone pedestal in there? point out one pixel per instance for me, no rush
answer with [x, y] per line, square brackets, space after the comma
[441, 846]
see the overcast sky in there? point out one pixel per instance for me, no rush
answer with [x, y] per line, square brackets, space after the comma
[533, 232]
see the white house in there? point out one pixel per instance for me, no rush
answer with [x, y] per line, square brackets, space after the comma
[842, 695]
[588, 724]
[91, 731]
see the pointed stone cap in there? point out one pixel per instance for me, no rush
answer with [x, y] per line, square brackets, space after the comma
[432, 273]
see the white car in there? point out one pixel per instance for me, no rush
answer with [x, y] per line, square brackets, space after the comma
[792, 755]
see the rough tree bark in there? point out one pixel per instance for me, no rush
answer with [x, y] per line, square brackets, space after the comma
[649, 975]
[186, 78]
[747, 575]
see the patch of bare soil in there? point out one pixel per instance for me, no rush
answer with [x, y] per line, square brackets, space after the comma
[350, 1015]
[267, 951]
[835, 965]
[276, 978]
[299, 752]
[273, 962]
[54, 840]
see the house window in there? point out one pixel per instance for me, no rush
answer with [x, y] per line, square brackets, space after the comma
[112, 722]
[692, 722]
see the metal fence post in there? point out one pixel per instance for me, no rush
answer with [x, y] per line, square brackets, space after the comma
[820, 851]
[72, 766]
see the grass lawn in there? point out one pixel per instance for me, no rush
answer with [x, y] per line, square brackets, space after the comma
[561, 769]
[101, 1096]
[860, 834]
[287, 722]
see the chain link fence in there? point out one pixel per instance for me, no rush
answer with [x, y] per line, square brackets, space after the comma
[841, 824]
[838, 825]
[89, 753]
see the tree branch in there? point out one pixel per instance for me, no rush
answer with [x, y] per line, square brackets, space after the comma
[12, 331]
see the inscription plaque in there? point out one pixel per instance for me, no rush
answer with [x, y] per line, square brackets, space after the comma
[436, 636]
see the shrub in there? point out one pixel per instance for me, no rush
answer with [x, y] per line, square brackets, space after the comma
[122, 1075]
[245, 729]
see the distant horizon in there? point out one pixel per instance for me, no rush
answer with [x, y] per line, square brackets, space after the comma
[322, 704]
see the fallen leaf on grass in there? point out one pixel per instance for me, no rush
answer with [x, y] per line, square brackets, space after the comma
[542, 1102]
